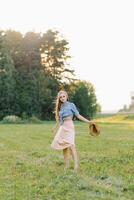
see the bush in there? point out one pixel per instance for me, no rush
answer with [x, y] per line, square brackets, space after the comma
[11, 119]
[24, 116]
[34, 119]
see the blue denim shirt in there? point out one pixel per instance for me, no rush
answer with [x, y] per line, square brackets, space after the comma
[67, 109]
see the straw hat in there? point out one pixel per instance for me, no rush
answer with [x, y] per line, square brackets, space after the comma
[94, 129]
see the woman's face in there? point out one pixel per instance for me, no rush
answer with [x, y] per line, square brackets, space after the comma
[63, 97]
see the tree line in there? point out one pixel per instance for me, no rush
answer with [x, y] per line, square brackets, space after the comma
[33, 68]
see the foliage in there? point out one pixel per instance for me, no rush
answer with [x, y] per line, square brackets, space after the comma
[33, 68]
[7, 85]
[54, 56]
[11, 119]
[34, 120]
[83, 94]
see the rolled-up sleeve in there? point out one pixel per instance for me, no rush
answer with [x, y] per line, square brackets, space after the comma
[74, 109]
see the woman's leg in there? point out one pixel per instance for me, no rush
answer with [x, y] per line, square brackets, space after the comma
[66, 157]
[74, 156]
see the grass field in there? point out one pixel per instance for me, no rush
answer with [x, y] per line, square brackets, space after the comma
[31, 170]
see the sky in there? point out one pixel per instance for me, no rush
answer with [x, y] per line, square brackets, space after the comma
[100, 35]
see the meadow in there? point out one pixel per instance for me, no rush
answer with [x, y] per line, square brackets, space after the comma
[31, 170]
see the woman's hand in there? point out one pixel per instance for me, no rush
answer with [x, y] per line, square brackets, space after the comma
[53, 131]
[91, 122]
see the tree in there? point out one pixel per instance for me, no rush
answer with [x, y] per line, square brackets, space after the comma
[54, 56]
[7, 85]
[33, 68]
[98, 108]
[84, 97]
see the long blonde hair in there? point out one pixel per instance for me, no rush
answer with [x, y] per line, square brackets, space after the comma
[58, 104]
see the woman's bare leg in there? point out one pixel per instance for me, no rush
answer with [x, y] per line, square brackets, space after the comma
[74, 156]
[66, 157]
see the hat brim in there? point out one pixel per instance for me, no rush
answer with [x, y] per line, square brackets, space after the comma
[94, 129]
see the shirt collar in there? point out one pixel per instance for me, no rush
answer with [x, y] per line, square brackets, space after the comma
[65, 103]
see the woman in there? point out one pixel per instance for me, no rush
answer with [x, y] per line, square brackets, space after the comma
[65, 136]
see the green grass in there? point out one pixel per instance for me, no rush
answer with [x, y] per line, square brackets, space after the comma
[31, 170]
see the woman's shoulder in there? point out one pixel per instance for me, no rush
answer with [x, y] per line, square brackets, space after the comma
[71, 103]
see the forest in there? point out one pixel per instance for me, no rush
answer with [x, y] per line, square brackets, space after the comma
[33, 68]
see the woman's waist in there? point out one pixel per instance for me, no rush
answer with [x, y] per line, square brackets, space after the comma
[68, 124]
[68, 118]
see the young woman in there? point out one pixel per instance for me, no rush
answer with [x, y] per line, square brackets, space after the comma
[65, 136]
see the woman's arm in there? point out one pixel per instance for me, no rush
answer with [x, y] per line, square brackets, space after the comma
[54, 129]
[80, 117]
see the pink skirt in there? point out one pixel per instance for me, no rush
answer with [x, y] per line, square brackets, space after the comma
[65, 136]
